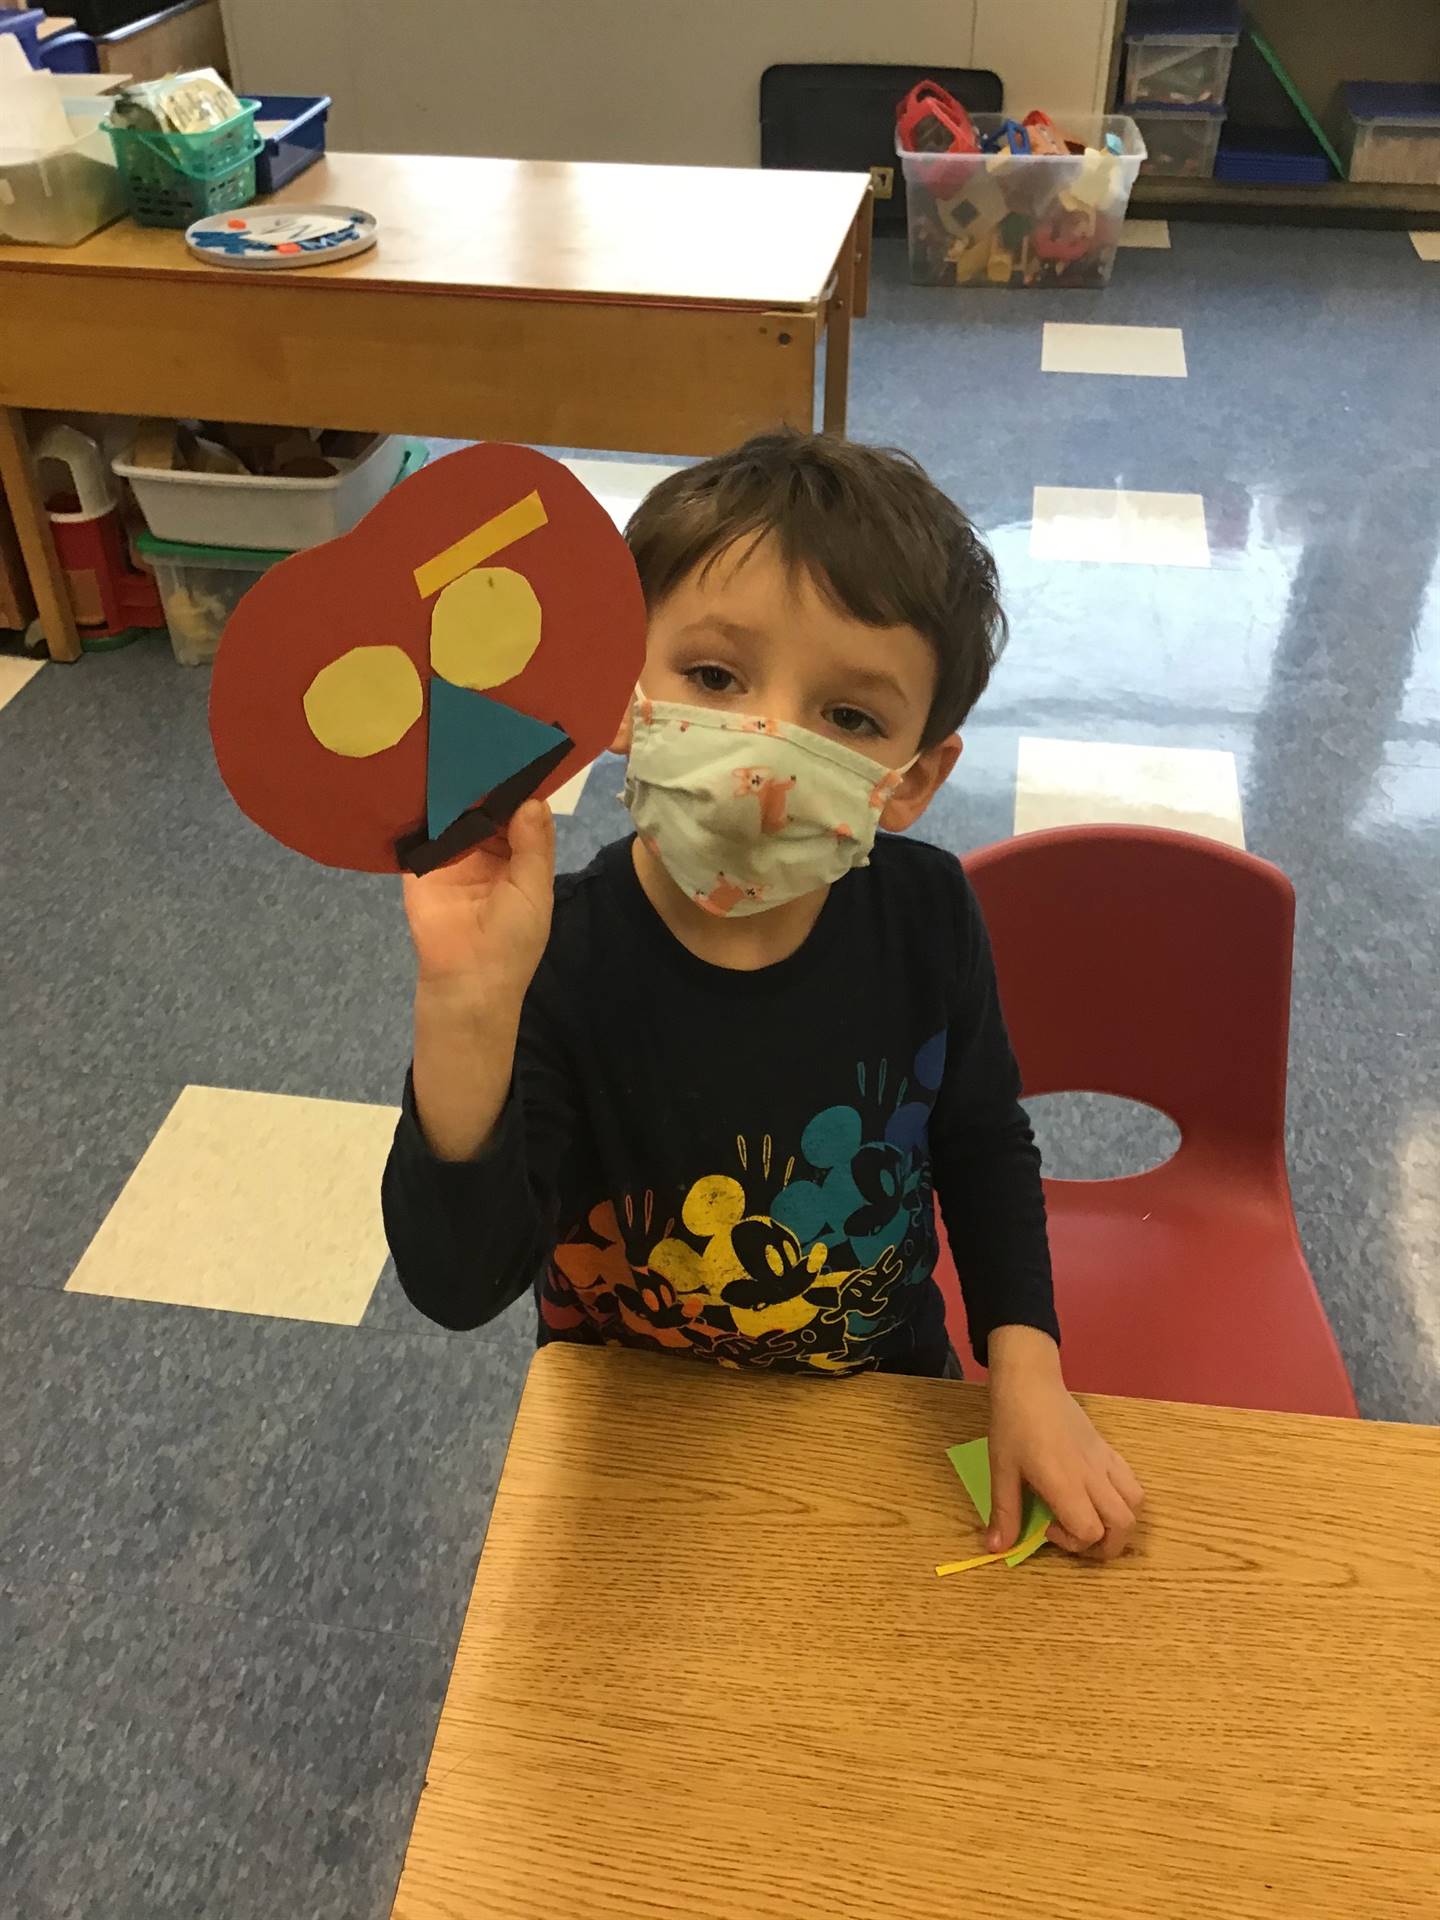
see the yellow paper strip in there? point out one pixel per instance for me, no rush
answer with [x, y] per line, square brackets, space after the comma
[1012, 1555]
[964, 1566]
[526, 516]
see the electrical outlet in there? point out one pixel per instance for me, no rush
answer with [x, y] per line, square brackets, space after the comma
[882, 182]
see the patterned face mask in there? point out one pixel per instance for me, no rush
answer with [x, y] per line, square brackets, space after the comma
[746, 813]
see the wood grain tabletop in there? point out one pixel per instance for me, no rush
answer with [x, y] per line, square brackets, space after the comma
[709, 236]
[708, 1669]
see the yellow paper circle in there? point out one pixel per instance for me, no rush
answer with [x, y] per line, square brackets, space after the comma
[485, 627]
[365, 701]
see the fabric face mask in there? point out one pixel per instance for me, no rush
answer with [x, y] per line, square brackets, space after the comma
[746, 813]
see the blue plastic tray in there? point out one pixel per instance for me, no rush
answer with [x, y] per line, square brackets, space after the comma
[301, 143]
[1259, 156]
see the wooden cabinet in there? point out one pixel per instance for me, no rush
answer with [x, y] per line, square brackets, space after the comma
[17, 606]
[172, 41]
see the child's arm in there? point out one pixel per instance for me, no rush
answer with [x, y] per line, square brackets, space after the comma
[479, 927]
[467, 1189]
[987, 1179]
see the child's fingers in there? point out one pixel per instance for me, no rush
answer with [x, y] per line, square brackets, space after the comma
[531, 834]
[1078, 1527]
[1005, 1502]
[1119, 1521]
[1125, 1484]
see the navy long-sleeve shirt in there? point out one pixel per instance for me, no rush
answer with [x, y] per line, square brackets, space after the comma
[742, 1166]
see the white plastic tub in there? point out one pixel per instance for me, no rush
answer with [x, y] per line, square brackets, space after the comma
[251, 511]
[1393, 132]
[59, 199]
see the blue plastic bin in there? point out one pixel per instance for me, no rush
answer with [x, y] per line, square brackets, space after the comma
[26, 29]
[300, 144]
[1264, 156]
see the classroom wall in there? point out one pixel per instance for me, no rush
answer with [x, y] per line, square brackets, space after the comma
[650, 80]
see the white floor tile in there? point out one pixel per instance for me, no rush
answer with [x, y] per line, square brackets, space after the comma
[619, 485]
[1117, 524]
[1064, 783]
[1156, 353]
[250, 1203]
[565, 799]
[1145, 233]
[1427, 245]
[15, 673]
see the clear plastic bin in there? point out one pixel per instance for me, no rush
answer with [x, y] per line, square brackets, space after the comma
[1186, 71]
[200, 588]
[61, 198]
[1393, 132]
[1178, 52]
[1180, 142]
[1021, 220]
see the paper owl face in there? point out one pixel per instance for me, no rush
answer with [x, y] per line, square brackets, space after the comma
[388, 700]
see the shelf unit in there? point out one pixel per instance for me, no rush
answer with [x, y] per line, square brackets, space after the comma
[1323, 43]
[1338, 203]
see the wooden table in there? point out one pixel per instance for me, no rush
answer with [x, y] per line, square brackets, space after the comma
[645, 309]
[708, 1670]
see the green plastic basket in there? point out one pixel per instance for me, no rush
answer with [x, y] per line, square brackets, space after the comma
[171, 179]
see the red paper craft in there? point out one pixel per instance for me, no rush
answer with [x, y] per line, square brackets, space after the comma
[498, 562]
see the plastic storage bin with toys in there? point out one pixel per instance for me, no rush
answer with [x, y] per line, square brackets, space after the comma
[1178, 52]
[993, 202]
[1180, 142]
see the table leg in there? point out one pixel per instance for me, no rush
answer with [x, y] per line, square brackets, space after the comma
[863, 228]
[838, 309]
[32, 524]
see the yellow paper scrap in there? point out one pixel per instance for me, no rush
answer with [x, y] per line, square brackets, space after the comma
[501, 530]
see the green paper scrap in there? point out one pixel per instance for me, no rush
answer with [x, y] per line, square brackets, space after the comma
[1272, 60]
[971, 1460]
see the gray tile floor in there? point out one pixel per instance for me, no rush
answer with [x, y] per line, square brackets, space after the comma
[234, 1552]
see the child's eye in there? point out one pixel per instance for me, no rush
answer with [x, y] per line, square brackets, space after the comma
[712, 679]
[852, 720]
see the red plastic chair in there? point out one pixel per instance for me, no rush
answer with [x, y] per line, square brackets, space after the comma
[1156, 965]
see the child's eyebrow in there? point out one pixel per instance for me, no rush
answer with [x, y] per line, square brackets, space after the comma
[727, 629]
[877, 679]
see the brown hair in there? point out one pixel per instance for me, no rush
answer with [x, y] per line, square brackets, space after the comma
[869, 526]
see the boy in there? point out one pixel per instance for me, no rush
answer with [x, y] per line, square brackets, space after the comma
[707, 1088]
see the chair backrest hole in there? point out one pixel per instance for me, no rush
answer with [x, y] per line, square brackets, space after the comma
[1097, 1136]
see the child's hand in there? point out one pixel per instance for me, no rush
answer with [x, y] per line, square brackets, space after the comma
[480, 924]
[1041, 1438]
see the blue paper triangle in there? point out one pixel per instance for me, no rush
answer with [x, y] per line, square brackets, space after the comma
[475, 743]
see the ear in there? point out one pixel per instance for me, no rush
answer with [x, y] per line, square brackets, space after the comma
[920, 785]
